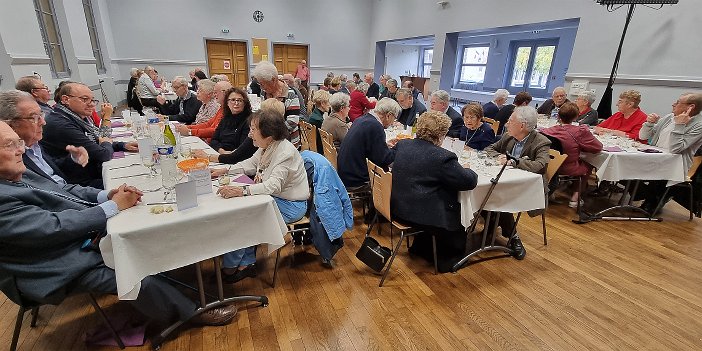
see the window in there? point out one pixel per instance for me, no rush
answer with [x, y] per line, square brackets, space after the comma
[427, 59]
[473, 63]
[92, 30]
[51, 37]
[530, 67]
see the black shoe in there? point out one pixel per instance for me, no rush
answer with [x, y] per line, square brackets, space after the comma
[248, 272]
[517, 247]
[327, 263]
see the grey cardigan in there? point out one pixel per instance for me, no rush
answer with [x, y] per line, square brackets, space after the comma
[685, 139]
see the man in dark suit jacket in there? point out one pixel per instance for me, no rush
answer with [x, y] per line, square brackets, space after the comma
[530, 148]
[491, 108]
[439, 101]
[411, 107]
[366, 139]
[185, 108]
[426, 182]
[558, 98]
[374, 88]
[70, 124]
[47, 234]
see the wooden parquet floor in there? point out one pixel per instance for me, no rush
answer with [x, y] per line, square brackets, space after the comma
[599, 286]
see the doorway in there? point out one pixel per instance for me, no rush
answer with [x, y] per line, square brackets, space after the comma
[286, 57]
[229, 58]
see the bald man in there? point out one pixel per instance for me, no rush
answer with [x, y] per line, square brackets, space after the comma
[303, 72]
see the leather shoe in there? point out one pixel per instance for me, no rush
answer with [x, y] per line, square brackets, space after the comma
[216, 316]
[249, 271]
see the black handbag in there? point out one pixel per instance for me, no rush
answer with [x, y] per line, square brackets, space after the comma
[372, 254]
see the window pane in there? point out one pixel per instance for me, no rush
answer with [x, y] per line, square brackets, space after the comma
[88, 16]
[542, 66]
[426, 72]
[44, 6]
[477, 55]
[520, 65]
[57, 57]
[428, 55]
[51, 34]
[472, 74]
[98, 61]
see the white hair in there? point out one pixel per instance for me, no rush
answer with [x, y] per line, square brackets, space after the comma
[391, 82]
[265, 71]
[362, 87]
[501, 93]
[387, 105]
[526, 115]
[206, 85]
[8, 104]
[180, 80]
[133, 72]
[441, 95]
[339, 100]
[558, 89]
[588, 96]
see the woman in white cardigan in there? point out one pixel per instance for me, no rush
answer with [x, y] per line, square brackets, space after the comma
[279, 171]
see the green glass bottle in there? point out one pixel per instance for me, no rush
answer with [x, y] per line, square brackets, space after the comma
[168, 136]
[414, 125]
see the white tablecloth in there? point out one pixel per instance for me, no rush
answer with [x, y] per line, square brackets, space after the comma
[139, 243]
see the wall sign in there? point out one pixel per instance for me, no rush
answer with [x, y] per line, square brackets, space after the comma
[227, 64]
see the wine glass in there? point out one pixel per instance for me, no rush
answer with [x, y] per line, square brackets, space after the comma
[169, 181]
[149, 162]
[185, 151]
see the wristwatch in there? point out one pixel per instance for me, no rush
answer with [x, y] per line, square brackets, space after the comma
[246, 190]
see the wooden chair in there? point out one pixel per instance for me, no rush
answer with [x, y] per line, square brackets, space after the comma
[493, 123]
[381, 185]
[301, 226]
[696, 161]
[308, 136]
[554, 164]
[326, 136]
[328, 147]
[8, 286]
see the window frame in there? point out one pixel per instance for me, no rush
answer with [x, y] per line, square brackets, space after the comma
[423, 64]
[466, 84]
[534, 45]
[45, 39]
[93, 32]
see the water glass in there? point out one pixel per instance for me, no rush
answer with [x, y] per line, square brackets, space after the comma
[149, 162]
[185, 151]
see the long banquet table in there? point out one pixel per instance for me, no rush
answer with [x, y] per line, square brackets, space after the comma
[139, 243]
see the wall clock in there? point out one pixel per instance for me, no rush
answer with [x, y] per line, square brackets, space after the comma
[258, 16]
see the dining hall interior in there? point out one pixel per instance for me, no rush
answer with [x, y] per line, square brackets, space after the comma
[451, 175]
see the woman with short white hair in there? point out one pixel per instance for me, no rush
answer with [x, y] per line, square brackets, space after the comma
[360, 104]
[210, 105]
[336, 122]
[588, 115]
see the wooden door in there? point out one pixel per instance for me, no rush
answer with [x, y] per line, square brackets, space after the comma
[286, 57]
[229, 58]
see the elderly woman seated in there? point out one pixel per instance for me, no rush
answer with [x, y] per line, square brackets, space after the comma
[278, 170]
[320, 107]
[426, 182]
[476, 133]
[574, 139]
[360, 104]
[335, 123]
[587, 115]
[210, 105]
[628, 119]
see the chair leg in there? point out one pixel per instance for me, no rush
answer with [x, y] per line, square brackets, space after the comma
[392, 258]
[106, 321]
[35, 315]
[543, 224]
[691, 202]
[436, 260]
[661, 202]
[275, 267]
[18, 327]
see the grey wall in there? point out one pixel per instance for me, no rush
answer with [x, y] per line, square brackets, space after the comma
[170, 34]
[661, 52]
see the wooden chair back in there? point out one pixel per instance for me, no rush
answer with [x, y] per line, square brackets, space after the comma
[696, 161]
[329, 152]
[326, 136]
[308, 136]
[493, 123]
[557, 160]
[381, 188]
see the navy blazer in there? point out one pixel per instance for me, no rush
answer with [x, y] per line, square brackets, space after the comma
[490, 109]
[407, 116]
[191, 107]
[41, 235]
[50, 161]
[456, 123]
[480, 138]
[59, 131]
[365, 139]
[425, 184]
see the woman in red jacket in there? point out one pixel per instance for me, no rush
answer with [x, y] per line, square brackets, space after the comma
[360, 104]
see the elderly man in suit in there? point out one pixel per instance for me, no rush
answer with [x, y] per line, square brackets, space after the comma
[24, 115]
[38, 89]
[439, 101]
[411, 107]
[491, 108]
[46, 231]
[70, 124]
[530, 148]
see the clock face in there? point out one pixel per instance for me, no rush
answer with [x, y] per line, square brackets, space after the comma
[258, 16]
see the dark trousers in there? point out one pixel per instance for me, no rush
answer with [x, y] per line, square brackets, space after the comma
[506, 222]
[450, 245]
[157, 299]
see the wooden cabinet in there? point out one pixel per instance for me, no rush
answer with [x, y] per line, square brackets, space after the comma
[421, 83]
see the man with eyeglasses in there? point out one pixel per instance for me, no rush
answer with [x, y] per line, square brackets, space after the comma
[19, 110]
[679, 132]
[70, 124]
[206, 129]
[48, 234]
[39, 91]
[185, 107]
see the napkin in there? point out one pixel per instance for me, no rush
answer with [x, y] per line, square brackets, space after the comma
[117, 154]
[612, 149]
[117, 135]
[244, 179]
[117, 124]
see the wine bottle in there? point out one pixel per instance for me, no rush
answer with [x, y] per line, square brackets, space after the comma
[168, 136]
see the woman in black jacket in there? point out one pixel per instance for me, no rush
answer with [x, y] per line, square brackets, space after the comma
[230, 138]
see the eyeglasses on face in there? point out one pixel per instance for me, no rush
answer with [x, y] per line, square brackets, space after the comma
[34, 118]
[85, 99]
[41, 88]
[14, 145]
[236, 101]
